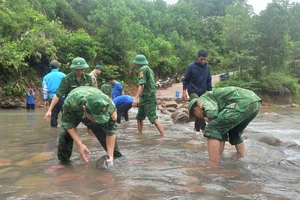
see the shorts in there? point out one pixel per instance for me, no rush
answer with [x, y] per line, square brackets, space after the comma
[230, 123]
[147, 109]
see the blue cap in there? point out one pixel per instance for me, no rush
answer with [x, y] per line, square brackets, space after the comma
[99, 67]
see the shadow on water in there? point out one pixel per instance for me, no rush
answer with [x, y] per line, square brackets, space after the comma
[153, 168]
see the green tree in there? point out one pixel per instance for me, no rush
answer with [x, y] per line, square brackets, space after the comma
[238, 39]
[274, 44]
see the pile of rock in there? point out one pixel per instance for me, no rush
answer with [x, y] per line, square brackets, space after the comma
[176, 108]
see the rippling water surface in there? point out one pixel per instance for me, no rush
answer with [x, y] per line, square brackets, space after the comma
[153, 168]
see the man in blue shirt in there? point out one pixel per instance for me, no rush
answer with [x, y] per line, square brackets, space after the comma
[50, 84]
[123, 104]
[197, 81]
[117, 88]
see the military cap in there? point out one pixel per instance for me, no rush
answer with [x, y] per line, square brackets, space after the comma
[54, 63]
[140, 60]
[97, 105]
[79, 63]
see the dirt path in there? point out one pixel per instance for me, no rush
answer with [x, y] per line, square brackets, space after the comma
[170, 92]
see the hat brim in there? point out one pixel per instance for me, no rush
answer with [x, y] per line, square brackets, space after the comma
[84, 66]
[101, 119]
[191, 106]
[141, 62]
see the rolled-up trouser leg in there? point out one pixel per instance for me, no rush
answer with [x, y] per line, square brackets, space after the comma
[65, 146]
[101, 136]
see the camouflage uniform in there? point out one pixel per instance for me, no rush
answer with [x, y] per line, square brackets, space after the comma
[147, 103]
[106, 89]
[74, 114]
[231, 109]
[70, 82]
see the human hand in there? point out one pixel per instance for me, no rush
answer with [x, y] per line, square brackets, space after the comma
[184, 97]
[83, 152]
[108, 163]
[135, 103]
[47, 116]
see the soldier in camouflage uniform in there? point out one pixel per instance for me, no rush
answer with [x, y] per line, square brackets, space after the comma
[95, 73]
[146, 95]
[90, 106]
[229, 110]
[106, 88]
[70, 82]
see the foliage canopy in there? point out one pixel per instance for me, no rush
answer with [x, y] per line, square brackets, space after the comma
[261, 48]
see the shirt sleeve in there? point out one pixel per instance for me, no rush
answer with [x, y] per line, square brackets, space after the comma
[63, 88]
[45, 90]
[211, 108]
[142, 76]
[186, 79]
[121, 88]
[208, 81]
[111, 126]
[69, 117]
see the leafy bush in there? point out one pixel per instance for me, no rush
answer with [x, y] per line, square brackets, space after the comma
[243, 82]
[275, 80]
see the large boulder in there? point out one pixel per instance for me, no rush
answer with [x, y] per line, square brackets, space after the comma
[165, 111]
[263, 137]
[168, 104]
[181, 118]
[283, 97]
[9, 102]
[177, 112]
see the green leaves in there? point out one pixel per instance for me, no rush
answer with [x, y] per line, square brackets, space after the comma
[111, 33]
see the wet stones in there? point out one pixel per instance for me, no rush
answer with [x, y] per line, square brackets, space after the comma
[5, 162]
[70, 176]
[42, 156]
[177, 111]
[263, 137]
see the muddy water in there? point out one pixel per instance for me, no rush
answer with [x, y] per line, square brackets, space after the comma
[153, 168]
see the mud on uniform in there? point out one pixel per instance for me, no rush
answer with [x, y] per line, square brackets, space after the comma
[74, 114]
[147, 103]
[231, 109]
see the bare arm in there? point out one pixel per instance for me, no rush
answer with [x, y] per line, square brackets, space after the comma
[53, 103]
[138, 93]
[184, 95]
[110, 143]
[82, 148]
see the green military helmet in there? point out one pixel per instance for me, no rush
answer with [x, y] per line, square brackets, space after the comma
[79, 63]
[140, 60]
[54, 63]
[97, 105]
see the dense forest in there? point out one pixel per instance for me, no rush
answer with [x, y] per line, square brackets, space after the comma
[262, 49]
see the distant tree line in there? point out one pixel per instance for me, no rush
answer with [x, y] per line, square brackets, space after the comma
[259, 48]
